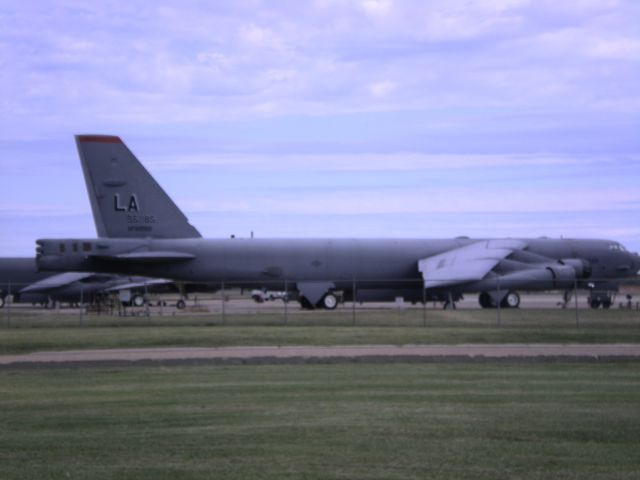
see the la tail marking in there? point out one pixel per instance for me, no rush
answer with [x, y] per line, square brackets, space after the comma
[132, 206]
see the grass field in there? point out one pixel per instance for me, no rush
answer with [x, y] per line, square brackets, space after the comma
[459, 420]
[480, 421]
[48, 339]
[37, 332]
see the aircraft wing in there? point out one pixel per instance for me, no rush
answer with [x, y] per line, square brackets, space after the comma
[466, 264]
[56, 281]
[139, 283]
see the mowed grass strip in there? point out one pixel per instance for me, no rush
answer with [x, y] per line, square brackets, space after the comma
[25, 340]
[404, 421]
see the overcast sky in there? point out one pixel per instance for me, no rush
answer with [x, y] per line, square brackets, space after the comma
[330, 118]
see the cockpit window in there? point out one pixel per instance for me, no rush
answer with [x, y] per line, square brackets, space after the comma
[617, 247]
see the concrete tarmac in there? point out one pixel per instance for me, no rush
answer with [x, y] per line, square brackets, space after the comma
[324, 354]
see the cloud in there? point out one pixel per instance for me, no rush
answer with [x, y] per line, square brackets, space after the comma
[367, 97]
[24, 210]
[616, 48]
[160, 62]
[453, 200]
[376, 8]
[370, 162]
[381, 89]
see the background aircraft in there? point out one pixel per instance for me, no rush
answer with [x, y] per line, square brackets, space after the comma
[141, 231]
[20, 278]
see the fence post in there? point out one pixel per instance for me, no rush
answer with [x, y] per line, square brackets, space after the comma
[498, 319]
[9, 302]
[81, 304]
[146, 302]
[224, 314]
[285, 299]
[575, 297]
[424, 302]
[353, 302]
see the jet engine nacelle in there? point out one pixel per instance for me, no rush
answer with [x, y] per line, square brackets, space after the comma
[559, 275]
[545, 277]
[581, 267]
[564, 276]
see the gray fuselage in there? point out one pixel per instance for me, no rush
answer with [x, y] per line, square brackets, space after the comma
[275, 262]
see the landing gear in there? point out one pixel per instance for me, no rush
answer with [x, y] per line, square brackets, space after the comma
[486, 301]
[510, 300]
[305, 303]
[566, 298]
[137, 301]
[181, 304]
[329, 301]
[600, 299]
[596, 302]
[2, 302]
[449, 303]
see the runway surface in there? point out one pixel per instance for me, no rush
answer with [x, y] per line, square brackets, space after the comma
[328, 354]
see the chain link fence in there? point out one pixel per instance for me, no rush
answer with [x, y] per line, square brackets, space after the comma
[383, 302]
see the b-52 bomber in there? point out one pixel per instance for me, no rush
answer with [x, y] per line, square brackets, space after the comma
[141, 231]
[20, 280]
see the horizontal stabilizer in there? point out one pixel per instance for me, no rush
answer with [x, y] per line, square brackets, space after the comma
[149, 257]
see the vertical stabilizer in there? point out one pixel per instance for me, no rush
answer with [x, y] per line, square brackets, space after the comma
[125, 199]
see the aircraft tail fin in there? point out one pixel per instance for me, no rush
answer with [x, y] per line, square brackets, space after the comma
[125, 199]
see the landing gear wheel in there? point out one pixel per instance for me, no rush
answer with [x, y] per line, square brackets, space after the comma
[606, 303]
[137, 301]
[594, 303]
[180, 304]
[1, 302]
[305, 303]
[511, 300]
[329, 301]
[485, 300]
